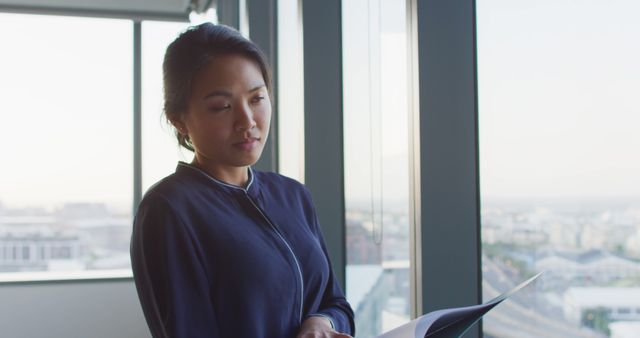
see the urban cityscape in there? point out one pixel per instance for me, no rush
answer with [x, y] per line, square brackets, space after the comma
[588, 251]
[73, 237]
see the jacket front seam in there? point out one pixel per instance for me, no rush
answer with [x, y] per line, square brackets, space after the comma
[295, 258]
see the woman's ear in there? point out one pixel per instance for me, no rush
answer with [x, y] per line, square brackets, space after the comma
[180, 125]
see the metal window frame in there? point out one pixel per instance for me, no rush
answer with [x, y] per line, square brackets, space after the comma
[415, 220]
[323, 113]
[137, 114]
[96, 13]
[228, 12]
[450, 258]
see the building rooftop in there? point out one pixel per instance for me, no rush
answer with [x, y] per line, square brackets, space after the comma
[604, 296]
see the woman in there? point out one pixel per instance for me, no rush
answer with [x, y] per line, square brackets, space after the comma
[219, 249]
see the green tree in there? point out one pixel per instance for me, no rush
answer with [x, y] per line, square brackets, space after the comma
[597, 319]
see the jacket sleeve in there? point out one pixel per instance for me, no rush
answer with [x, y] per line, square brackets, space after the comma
[334, 305]
[171, 281]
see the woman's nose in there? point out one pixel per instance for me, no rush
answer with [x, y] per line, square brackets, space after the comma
[244, 119]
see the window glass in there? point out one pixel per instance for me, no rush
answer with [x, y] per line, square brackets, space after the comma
[66, 175]
[376, 111]
[559, 160]
[160, 149]
[290, 90]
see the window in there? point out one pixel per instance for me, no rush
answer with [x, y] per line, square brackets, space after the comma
[160, 149]
[376, 112]
[290, 90]
[559, 162]
[67, 135]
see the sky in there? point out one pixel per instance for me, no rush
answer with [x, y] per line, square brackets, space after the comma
[66, 110]
[375, 102]
[558, 82]
[558, 86]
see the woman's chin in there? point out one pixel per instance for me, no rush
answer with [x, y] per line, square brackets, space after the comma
[247, 160]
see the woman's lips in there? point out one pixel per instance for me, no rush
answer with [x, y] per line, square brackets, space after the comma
[247, 144]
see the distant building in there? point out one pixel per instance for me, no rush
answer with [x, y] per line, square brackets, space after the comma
[592, 267]
[619, 303]
[36, 251]
[511, 227]
[565, 234]
[362, 248]
[527, 237]
[77, 236]
[605, 236]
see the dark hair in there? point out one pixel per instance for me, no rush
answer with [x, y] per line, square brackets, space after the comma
[189, 52]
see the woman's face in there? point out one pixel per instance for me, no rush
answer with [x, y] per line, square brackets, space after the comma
[228, 114]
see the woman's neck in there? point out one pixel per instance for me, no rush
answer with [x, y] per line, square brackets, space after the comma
[238, 176]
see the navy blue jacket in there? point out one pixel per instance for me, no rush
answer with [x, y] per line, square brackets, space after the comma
[214, 260]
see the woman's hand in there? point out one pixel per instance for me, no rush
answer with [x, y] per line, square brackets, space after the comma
[319, 327]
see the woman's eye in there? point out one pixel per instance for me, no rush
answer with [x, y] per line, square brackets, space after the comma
[257, 99]
[220, 107]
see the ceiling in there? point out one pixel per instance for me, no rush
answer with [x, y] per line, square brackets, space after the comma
[133, 9]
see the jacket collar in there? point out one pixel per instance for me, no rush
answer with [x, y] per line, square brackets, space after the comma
[251, 187]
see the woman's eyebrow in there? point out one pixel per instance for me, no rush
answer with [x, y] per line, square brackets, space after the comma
[217, 93]
[258, 87]
[228, 94]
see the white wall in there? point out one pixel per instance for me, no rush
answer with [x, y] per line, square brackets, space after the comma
[74, 309]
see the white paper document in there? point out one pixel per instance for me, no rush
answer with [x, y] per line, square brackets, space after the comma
[450, 323]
